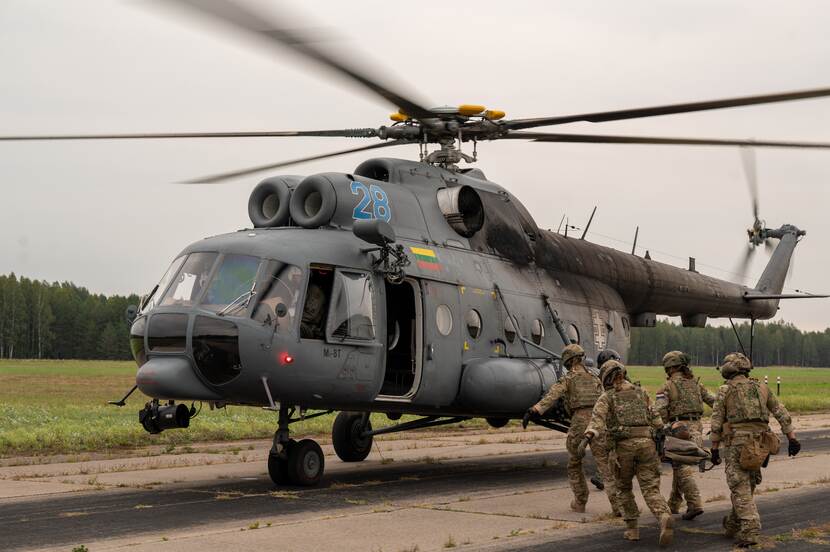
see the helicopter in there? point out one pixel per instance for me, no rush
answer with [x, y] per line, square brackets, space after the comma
[406, 287]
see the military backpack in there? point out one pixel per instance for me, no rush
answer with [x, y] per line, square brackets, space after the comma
[684, 397]
[583, 390]
[629, 409]
[746, 401]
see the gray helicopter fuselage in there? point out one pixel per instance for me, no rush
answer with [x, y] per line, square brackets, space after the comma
[457, 336]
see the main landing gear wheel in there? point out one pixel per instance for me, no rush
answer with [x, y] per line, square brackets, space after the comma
[305, 463]
[497, 422]
[346, 436]
[278, 464]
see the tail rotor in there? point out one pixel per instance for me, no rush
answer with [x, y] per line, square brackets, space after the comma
[758, 233]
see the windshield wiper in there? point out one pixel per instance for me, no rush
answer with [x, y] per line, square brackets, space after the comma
[147, 299]
[242, 301]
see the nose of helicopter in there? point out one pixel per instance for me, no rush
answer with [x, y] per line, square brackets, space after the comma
[185, 353]
[172, 377]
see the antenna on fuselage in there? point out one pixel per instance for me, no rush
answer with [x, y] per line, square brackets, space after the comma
[560, 223]
[636, 235]
[590, 220]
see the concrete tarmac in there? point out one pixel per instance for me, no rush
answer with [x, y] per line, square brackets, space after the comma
[467, 489]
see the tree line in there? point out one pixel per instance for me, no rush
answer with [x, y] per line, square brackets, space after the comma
[775, 343]
[61, 320]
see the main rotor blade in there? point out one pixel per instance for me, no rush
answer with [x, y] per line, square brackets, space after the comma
[348, 133]
[228, 175]
[248, 20]
[611, 139]
[641, 112]
[748, 159]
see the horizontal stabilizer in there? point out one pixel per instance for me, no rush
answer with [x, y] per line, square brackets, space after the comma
[749, 296]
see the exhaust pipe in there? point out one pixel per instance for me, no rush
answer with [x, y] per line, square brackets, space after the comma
[156, 418]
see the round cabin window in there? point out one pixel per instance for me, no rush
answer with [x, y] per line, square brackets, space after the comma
[473, 322]
[443, 319]
[510, 325]
[537, 331]
[573, 334]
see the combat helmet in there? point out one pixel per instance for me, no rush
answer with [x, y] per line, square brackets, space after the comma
[607, 354]
[734, 364]
[571, 353]
[675, 359]
[609, 372]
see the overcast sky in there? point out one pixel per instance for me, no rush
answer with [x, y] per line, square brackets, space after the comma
[108, 215]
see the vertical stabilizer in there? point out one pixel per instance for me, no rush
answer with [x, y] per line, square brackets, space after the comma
[772, 280]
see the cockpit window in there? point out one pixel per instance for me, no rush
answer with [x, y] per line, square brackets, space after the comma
[352, 314]
[190, 280]
[278, 283]
[232, 288]
[158, 291]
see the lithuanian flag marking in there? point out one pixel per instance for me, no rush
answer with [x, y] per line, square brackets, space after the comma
[425, 258]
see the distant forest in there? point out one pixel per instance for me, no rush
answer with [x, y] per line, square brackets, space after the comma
[775, 343]
[62, 320]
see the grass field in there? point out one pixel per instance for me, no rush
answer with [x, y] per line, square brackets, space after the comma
[60, 407]
[802, 389]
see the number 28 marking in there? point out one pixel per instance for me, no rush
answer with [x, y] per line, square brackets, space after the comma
[373, 203]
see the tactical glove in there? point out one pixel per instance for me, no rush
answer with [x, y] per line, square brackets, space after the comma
[794, 447]
[715, 457]
[580, 449]
[529, 415]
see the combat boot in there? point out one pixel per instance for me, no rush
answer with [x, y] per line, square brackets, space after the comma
[730, 529]
[666, 530]
[577, 506]
[746, 540]
[632, 532]
[674, 504]
[692, 512]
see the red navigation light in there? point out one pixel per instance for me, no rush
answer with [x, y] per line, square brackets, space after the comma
[286, 358]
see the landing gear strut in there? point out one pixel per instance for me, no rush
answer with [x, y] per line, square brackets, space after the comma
[294, 462]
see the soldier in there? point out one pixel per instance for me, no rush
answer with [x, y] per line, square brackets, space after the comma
[580, 390]
[311, 324]
[600, 448]
[681, 399]
[625, 413]
[740, 423]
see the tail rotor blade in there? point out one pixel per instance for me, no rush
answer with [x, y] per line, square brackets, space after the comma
[743, 264]
[751, 174]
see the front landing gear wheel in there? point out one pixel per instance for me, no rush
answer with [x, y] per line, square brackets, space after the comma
[346, 436]
[278, 465]
[305, 463]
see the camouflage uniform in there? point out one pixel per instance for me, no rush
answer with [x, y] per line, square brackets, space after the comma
[625, 413]
[681, 399]
[580, 390]
[741, 413]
